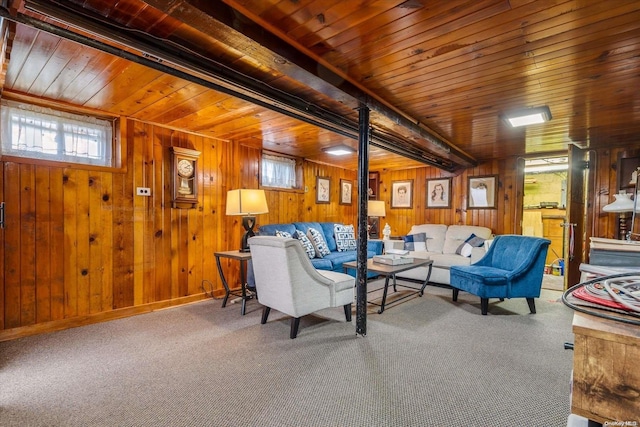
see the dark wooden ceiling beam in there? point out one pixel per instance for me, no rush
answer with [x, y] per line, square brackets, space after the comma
[449, 157]
[269, 49]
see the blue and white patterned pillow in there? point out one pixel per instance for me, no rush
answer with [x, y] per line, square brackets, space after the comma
[467, 246]
[283, 234]
[345, 237]
[306, 244]
[415, 242]
[318, 242]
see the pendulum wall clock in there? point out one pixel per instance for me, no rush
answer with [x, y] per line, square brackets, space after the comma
[184, 167]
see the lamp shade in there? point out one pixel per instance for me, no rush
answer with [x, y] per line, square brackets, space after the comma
[622, 203]
[376, 208]
[246, 202]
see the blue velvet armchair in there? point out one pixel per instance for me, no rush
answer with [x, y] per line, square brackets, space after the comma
[511, 268]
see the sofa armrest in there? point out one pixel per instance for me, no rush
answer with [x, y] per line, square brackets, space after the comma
[375, 246]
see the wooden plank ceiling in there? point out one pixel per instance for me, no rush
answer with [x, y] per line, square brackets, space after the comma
[436, 75]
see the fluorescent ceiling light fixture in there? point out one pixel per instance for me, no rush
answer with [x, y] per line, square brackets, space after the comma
[339, 150]
[551, 164]
[546, 168]
[528, 116]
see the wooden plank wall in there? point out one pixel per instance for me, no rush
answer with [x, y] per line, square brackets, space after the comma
[501, 220]
[604, 163]
[80, 246]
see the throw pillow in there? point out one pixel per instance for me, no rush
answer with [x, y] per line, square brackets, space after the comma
[415, 242]
[306, 244]
[472, 241]
[283, 234]
[345, 237]
[318, 242]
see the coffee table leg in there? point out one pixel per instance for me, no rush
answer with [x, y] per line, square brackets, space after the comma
[384, 294]
[426, 280]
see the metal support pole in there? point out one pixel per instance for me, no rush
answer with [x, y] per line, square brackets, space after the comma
[363, 197]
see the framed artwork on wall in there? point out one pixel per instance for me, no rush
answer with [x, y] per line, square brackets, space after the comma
[374, 185]
[482, 192]
[402, 194]
[439, 193]
[346, 189]
[322, 189]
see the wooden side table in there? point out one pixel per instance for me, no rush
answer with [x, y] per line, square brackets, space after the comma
[606, 374]
[243, 257]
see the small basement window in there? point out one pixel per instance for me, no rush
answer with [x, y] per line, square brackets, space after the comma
[46, 134]
[279, 172]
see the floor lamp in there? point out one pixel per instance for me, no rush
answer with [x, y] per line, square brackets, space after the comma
[375, 210]
[247, 203]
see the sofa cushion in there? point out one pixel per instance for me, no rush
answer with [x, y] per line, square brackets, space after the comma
[305, 226]
[448, 260]
[415, 242]
[322, 263]
[270, 229]
[339, 258]
[327, 230]
[345, 237]
[457, 234]
[435, 235]
[306, 243]
[318, 242]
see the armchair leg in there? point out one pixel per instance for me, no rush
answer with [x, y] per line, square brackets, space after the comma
[295, 324]
[484, 305]
[455, 294]
[347, 312]
[532, 305]
[265, 314]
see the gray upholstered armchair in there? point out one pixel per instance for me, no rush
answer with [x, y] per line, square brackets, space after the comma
[512, 268]
[287, 281]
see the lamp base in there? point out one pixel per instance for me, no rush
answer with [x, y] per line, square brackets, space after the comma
[248, 222]
[374, 227]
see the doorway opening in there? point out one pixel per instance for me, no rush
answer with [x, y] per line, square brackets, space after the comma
[544, 211]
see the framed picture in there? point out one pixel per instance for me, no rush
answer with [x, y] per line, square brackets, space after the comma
[374, 185]
[322, 189]
[439, 193]
[346, 189]
[482, 192]
[402, 194]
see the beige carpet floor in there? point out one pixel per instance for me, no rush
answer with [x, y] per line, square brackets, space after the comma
[554, 283]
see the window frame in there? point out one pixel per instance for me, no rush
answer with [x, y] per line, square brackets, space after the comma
[118, 142]
[298, 171]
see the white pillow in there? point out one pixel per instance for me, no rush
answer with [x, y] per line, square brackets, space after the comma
[318, 242]
[306, 244]
[345, 237]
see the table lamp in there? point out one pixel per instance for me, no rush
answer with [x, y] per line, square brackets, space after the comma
[247, 203]
[375, 210]
[622, 204]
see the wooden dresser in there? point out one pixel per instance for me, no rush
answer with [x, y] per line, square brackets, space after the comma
[606, 370]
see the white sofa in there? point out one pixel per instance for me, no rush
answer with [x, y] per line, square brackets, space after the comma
[442, 243]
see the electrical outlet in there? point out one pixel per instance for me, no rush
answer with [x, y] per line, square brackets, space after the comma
[143, 191]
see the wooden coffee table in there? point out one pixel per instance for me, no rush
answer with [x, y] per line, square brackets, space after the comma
[389, 271]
